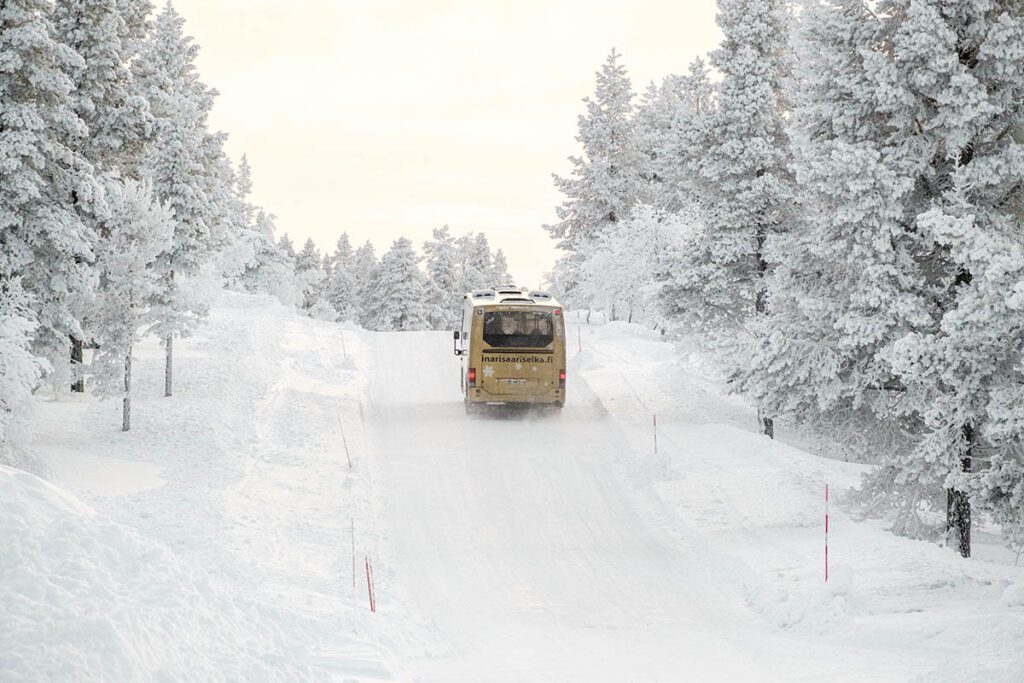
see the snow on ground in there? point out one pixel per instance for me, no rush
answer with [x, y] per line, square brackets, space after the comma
[239, 481]
[215, 540]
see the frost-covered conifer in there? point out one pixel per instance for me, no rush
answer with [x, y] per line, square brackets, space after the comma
[239, 257]
[399, 288]
[20, 369]
[105, 96]
[138, 230]
[670, 127]
[908, 162]
[286, 245]
[499, 269]
[364, 269]
[109, 102]
[847, 282]
[309, 275]
[475, 267]
[959, 77]
[46, 185]
[182, 162]
[342, 291]
[607, 179]
[742, 186]
[272, 268]
[442, 272]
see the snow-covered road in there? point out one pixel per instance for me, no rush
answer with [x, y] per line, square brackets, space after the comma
[515, 539]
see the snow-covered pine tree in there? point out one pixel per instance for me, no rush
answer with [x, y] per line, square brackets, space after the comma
[606, 180]
[442, 272]
[238, 258]
[272, 269]
[309, 275]
[105, 96]
[958, 70]
[499, 269]
[364, 269]
[744, 190]
[222, 211]
[670, 124]
[179, 162]
[286, 246]
[342, 290]
[138, 230]
[473, 258]
[20, 369]
[400, 285]
[109, 102]
[46, 186]
[859, 273]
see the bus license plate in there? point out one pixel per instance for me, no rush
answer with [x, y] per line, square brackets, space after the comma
[515, 381]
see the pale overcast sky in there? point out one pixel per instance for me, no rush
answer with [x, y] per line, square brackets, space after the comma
[391, 118]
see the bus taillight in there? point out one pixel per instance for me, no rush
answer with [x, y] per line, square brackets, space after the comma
[561, 379]
[471, 377]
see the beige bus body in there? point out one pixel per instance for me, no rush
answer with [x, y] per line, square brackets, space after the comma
[512, 344]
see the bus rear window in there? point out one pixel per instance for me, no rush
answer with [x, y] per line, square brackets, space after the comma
[518, 329]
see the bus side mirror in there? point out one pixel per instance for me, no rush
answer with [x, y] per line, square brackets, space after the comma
[456, 335]
[456, 343]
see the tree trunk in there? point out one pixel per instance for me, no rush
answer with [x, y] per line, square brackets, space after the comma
[168, 363]
[958, 506]
[126, 420]
[761, 308]
[77, 359]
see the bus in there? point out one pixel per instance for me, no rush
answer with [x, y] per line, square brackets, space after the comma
[512, 345]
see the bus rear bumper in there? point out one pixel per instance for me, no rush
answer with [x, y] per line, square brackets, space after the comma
[479, 397]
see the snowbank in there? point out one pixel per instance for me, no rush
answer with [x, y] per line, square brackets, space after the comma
[85, 598]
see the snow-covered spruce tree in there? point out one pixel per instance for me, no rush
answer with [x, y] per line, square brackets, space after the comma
[47, 187]
[847, 281]
[959, 67]
[744, 187]
[272, 269]
[309, 276]
[606, 180]
[342, 291]
[499, 269]
[105, 96]
[227, 230]
[397, 301]
[442, 271]
[178, 162]
[109, 102]
[138, 230]
[286, 245]
[364, 269]
[904, 125]
[670, 126]
[20, 370]
[473, 258]
[238, 258]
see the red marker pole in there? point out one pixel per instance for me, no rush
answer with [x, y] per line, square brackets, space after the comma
[826, 533]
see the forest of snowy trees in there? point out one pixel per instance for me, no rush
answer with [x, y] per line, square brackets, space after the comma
[834, 200]
[121, 215]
